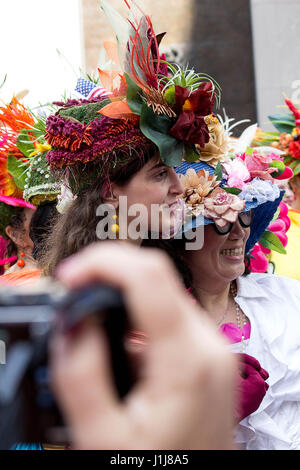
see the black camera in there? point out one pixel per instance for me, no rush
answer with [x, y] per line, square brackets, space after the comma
[28, 412]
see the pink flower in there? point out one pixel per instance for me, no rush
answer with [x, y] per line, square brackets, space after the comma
[279, 228]
[262, 174]
[283, 209]
[237, 172]
[258, 264]
[258, 161]
[222, 207]
[258, 164]
[283, 215]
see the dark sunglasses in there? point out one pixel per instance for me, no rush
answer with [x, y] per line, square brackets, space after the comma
[245, 220]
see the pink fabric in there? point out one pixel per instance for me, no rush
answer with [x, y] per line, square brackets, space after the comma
[234, 333]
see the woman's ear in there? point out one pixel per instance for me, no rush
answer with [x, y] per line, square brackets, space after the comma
[112, 196]
[14, 235]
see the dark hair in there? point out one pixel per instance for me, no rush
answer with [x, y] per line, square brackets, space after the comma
[40, 225]
[17, 223]
[76, 228]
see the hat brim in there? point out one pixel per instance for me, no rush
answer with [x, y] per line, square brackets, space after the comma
[263, 213]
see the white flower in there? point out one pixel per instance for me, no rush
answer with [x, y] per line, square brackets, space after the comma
[261, 190]
[65, 199]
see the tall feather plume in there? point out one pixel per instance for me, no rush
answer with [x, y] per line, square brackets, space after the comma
[137, 43]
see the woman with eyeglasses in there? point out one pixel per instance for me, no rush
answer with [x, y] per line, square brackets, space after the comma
[258, 313]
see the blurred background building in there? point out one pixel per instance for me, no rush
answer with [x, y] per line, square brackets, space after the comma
[251, 47]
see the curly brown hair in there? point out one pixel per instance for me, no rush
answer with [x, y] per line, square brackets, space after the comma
[76, 228]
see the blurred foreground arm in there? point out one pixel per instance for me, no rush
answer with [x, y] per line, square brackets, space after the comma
[184, 399]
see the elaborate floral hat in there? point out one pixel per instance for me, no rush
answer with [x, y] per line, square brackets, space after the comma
[286, 139]
[40, 185]
[148, 102]
[24, 164]
[14, 118]
[243, 182]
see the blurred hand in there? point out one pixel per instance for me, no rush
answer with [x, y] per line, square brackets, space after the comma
[252, 386]
[184, 399]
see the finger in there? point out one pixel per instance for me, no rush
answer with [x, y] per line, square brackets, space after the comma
[250, 371]
[264, 374]
[74, 361]
[251, 361]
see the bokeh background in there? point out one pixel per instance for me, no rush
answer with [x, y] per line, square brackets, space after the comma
[251, 47]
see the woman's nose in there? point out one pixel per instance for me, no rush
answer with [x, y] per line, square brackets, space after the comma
[237, 231]
[176, 184]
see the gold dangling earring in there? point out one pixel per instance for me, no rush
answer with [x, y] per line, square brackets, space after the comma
[115, 227]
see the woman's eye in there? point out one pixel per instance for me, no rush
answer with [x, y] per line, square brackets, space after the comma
[161, 175]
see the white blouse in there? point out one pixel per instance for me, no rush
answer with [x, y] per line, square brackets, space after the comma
[272, 304]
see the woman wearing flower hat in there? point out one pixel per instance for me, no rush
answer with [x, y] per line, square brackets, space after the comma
[126, 144]
[26, 185]
[259, 313]
[15, 212]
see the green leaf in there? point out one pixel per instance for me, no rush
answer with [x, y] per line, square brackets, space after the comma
[275, 215]
[249, 151]
[16, 168]
[191, 153]
[4, 80]
[156, 127]
[218, 171]
[235, 191]
[39, 128]
[283, 122]
[134, 95]
[296, 169]
[24, 143]
[271, 241]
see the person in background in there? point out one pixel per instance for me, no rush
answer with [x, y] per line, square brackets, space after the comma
[15, 212]
[288, 265]
[41, 192]
[286, 141]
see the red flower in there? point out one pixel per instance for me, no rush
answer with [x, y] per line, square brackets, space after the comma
[201, 101]
[192, 108]
[190, 128]
[294, 149]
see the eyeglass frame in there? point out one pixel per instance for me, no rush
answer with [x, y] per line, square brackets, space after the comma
[231, 224]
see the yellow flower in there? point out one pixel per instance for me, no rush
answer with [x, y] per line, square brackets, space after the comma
[40, 148]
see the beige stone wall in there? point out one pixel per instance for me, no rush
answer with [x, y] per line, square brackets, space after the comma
[212, 36]
[173, 16]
